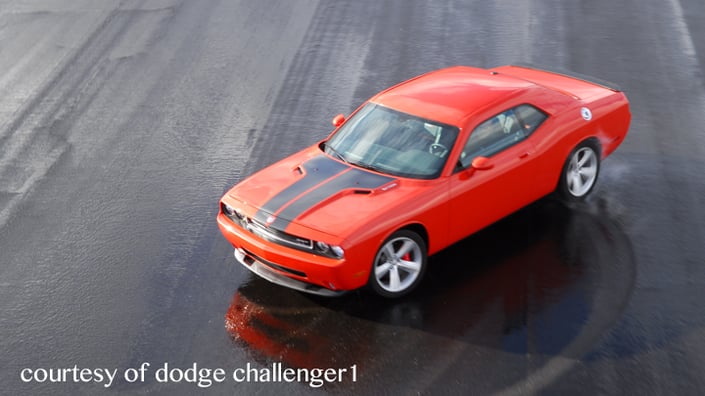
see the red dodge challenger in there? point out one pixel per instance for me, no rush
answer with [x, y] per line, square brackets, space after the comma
[416, 168]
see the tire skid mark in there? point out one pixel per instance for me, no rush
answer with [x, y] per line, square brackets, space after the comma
[300, 113]
[36, 139]
[687, 44]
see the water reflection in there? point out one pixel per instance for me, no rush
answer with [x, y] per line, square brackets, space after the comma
[546, 281]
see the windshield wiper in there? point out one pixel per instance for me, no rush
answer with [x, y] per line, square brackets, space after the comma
[336, 153]
[371, 167]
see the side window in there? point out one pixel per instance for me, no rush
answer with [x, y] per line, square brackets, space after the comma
[530, 117]
[500, 132]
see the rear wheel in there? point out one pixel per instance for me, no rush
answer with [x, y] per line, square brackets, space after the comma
[399, 264]
[580, 172]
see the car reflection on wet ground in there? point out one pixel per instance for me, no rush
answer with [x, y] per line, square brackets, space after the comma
[534, 292]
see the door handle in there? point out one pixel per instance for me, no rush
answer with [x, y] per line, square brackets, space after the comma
[524, 155]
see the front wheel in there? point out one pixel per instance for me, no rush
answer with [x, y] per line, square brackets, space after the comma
[399, 264]
[579, 172]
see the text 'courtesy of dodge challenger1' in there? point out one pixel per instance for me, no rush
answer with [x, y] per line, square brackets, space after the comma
[417, 168]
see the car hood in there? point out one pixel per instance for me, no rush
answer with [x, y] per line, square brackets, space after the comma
[312, 190]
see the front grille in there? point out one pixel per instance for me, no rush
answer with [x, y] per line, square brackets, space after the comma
[270, 234]
[277, 236]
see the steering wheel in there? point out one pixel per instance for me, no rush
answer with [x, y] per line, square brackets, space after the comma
[438, 150]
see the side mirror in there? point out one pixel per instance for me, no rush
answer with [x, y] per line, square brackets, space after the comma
[338, 120]
[482, 163]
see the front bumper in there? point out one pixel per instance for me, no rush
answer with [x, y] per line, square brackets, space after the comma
[290, 267]
[265, 271]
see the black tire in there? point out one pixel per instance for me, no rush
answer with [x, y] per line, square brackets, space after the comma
[398, 275]
[580, 172]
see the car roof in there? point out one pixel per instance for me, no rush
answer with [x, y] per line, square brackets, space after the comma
[451, 95]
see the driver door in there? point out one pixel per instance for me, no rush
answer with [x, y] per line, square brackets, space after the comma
[479, 197]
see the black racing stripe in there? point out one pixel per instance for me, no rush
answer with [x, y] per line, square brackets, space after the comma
[317, 169]
[354, 179]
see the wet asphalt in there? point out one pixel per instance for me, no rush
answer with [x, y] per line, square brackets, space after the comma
[123, 122]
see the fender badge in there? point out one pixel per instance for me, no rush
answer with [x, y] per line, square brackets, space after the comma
[389, 186]
[270, 220]
[586, 113]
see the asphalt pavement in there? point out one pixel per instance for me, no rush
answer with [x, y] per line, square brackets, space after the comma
[123, 122]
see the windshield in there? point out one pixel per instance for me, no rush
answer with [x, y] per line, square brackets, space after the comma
[392, 142]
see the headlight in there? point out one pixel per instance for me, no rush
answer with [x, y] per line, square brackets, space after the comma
[229, 210]
[322, 247]
[337, 251]
[325, 249]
